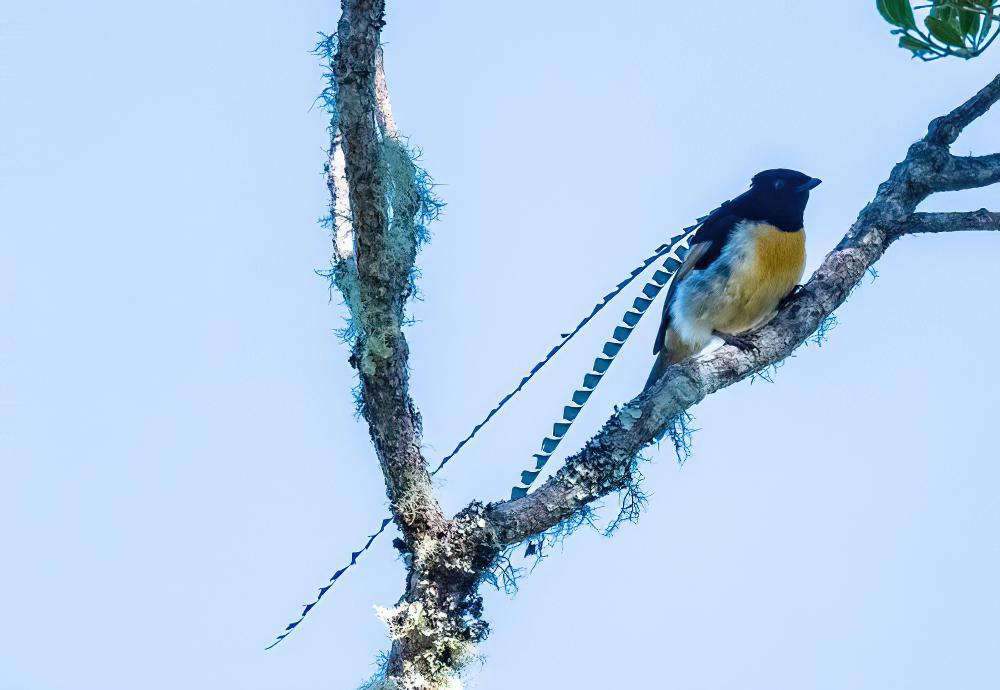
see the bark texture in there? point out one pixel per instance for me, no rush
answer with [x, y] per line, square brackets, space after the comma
[436, 624]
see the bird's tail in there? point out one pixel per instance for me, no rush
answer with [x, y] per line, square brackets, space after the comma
[659, 366]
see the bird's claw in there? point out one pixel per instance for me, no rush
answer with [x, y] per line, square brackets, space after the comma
[738, 342]
[790, 296]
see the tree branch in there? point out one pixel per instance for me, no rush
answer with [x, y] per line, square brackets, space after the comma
[603, 465]
[384, 257]
[968, 221]
[969, 172]
[436, 624]
[944, 131]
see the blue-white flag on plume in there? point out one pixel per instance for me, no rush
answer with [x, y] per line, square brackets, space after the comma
[674, 251]
[677, 250]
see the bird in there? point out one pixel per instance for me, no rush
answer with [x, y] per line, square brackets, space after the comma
[745, 258]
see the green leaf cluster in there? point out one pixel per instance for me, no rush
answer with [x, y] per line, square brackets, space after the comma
[950, 28]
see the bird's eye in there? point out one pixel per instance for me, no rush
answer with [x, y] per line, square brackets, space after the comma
[779, 184]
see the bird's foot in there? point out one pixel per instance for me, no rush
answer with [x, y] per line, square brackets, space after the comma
[737, 341]
[790, 296]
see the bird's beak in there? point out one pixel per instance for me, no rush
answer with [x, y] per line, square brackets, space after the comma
[811, 184]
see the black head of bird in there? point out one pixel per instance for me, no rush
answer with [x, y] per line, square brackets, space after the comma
[778, 197]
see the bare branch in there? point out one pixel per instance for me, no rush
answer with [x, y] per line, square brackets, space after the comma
[601, 467]
[969, 221]
[945, 130]
[969, 172]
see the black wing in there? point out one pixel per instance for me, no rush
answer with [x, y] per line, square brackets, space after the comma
[706, 247]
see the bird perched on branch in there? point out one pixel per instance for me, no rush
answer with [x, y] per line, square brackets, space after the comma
[745, 258]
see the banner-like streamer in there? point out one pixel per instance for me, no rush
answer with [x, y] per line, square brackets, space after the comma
[323, 590]
[678, 250]
[566, 337]
[674, 250]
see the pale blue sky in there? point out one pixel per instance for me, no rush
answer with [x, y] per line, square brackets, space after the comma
[181, 467]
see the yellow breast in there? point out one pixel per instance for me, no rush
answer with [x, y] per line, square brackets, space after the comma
[770, 267]
[778, 255]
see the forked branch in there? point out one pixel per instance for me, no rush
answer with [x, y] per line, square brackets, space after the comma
[437, 623]
[602, 466]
